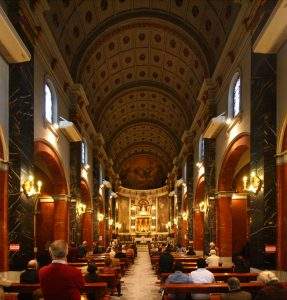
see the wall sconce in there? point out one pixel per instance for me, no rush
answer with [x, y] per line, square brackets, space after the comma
[203, 206]
[175, 221]
[153, 227]
[253, 183]
[80, 208]
[31, 189]
[185, 215]
[133, 227]
[111, 222]
[100, 217]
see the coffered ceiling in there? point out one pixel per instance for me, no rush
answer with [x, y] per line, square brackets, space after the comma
[142, 64]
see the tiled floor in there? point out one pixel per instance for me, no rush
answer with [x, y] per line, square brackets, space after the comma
[140, 280]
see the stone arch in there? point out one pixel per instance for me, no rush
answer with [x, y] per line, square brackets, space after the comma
[45, 155]
[226, 209]
[85, 193]
[53, 200]
[232, 154]
[87, 216]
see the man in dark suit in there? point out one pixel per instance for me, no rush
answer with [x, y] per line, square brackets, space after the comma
[58, 280]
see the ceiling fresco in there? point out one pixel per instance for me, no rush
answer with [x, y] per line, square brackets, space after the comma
[142, 172]
[142, 64]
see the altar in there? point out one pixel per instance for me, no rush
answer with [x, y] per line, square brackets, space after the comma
[143, 239]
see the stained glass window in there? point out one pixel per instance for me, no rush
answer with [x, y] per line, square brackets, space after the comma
[236, 97]
[48, 104]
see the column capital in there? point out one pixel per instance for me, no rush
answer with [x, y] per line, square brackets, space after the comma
[62, 197]
[281, 158]
[4, 165]
[224, 194]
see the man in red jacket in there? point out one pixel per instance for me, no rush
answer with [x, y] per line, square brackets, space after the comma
[58, 280]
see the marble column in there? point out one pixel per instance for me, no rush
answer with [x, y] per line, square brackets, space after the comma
[87, 227]
[3, 216]
[263, 150]
[21, 144]
[61, 217]
[45, 221]
[179, 193]
[189, 191]
[224, 227]
[198, 219]
[106, 217]
[209, 177]
[75, 191]
[96, 196]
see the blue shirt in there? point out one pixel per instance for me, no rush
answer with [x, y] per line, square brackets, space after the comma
[178, 277]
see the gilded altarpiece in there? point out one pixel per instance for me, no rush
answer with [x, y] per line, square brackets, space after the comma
[143, 212]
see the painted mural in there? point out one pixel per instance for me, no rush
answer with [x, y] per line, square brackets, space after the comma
[124, 214]
[142, 173]
[162, 213]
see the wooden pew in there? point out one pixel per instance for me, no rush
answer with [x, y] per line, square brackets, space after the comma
[99, 288]
[10, 296]
[206, 288]
[112, 280]
[211, 269]
[243, 277]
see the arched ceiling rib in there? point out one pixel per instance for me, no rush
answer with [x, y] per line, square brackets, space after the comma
[142, 64]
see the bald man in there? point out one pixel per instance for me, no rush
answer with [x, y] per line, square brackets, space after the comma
[30, 275]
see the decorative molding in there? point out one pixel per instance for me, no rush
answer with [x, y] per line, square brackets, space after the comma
[12, 47]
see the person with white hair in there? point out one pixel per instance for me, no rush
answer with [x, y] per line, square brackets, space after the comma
[59, 281]
[235, 292]
[213, 259]
[273, 289]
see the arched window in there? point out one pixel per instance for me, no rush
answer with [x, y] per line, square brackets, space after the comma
[50, 103]
[201, 149]
[84, 154]
[235, 96]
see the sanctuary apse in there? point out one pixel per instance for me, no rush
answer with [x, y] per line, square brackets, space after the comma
[130, 118]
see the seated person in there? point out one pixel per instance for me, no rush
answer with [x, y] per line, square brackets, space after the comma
[241, 265]
[177, 277]
[119, 253]
[273, 289]
[109, 269]
[91, 276]
[83, 249]
[130, 252]
[190, 251]
[235, 293]
[213, 259]
[180, 248]
[201, 275]
[30, 275]
[166, 261]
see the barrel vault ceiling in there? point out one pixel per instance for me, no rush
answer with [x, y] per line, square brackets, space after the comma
[142, 64]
